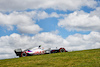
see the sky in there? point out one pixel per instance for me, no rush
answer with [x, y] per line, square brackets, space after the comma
[72, 24]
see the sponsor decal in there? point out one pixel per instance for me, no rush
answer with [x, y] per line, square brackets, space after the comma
[29, 51]
[39, 52]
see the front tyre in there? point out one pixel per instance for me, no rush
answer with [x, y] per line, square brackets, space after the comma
[62, 50]
[23, 54]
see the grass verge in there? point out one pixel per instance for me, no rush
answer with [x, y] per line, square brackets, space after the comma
[85, 58]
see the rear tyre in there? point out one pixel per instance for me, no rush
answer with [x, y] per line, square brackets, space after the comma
[23, 54]
[62, 50]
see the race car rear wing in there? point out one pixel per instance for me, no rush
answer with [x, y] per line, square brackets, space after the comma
[18, 52]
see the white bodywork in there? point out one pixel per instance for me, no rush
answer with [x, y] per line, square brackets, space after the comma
[35, 50]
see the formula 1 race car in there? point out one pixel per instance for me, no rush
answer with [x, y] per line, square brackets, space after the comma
[37, 51]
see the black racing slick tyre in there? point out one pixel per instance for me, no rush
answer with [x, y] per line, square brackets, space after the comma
[23, 54]
[62, 50]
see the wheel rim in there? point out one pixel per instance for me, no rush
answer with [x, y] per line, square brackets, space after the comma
[61, 50]
[23, 54]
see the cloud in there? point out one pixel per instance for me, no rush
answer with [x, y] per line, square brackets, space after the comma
[37, 15]
[54, 32]
[54, 14]
[29, 29]
[47, 40]
[96, 12]
[79, 41]
[13, 5]
[23, 22]
[80, 21]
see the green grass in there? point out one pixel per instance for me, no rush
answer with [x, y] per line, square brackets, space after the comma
[85, 58]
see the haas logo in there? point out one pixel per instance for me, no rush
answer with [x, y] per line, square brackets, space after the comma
[39, 52]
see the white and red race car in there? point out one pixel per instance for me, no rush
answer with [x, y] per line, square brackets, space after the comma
[37, 51]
